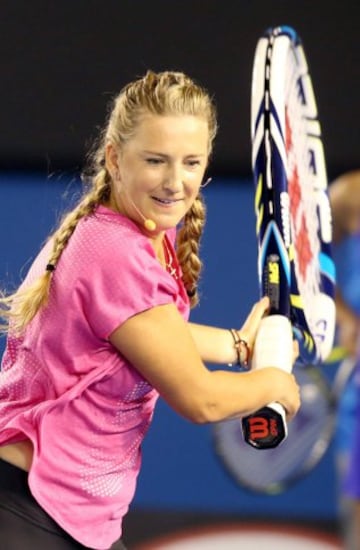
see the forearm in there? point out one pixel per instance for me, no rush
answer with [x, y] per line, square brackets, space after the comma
[166, 354]
[215, 345]
[228, 395]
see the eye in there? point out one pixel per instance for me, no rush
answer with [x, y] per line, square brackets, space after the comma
[154, 160]
[193, 163]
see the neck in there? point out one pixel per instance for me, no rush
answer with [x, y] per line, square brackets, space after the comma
[157, 242]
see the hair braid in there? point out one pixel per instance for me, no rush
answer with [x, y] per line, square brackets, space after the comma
[163, 93]
[188, 246]
[20, 307]
[95, 196]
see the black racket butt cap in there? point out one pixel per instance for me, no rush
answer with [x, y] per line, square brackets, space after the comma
[264, 429]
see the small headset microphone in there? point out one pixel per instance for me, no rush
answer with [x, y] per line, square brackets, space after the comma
[149, 224]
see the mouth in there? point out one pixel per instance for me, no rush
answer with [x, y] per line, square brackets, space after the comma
[166, 202]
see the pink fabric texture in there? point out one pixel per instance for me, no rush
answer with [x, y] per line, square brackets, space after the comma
[64, 386]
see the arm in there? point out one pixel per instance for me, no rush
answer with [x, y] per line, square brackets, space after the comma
[344, 195]
[348, 325]
[216, 345]
[160, 345]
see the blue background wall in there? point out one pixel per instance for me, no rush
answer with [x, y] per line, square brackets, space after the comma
[180, 469]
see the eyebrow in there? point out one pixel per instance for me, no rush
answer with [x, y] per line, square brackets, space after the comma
[163, 155]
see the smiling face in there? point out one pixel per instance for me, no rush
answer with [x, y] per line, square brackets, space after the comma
[158, 172]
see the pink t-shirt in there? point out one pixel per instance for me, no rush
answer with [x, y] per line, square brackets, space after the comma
[64, 386]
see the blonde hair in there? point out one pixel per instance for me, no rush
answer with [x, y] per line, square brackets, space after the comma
[164, 93]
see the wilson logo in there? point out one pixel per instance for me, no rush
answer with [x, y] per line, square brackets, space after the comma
[262, 428]
[258, 428]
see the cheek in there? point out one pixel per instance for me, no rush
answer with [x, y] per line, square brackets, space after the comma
[139, 181]
[194, 182]
[193, 191]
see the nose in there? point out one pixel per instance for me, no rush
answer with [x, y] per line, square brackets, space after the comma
[174, 179]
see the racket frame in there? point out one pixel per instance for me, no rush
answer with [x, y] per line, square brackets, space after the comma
[277, 266]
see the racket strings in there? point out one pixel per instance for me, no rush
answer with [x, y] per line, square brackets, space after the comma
[290, 172]
[300, 172]
[310, 433]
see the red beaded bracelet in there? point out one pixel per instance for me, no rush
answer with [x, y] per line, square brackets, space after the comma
[241, 347]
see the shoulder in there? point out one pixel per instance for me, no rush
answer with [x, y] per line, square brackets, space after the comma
[108, 236]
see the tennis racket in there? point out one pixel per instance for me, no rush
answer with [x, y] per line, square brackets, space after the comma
[309, 434]
[293, 220]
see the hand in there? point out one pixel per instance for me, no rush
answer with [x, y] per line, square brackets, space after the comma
[291, 400]
[249, 329]
[296, 350]
[283, 388]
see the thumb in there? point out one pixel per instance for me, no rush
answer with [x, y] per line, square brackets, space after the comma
[251, 325]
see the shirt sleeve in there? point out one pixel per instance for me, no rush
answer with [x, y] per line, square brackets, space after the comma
[121, 281]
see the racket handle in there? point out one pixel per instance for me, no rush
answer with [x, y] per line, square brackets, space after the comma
[267, 428]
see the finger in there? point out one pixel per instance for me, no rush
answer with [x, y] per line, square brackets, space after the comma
[265, 303]
[296, 350]
[256, 314]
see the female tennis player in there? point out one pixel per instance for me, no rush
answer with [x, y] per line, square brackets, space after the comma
[99, 328]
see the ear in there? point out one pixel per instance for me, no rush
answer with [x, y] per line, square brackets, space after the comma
[112, 161]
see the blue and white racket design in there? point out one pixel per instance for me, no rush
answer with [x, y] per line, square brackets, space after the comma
[293, 214]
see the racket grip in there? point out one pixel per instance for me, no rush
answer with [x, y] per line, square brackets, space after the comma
[267, 428]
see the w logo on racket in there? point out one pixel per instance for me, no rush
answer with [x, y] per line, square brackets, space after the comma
[264, 429]
[259, 427]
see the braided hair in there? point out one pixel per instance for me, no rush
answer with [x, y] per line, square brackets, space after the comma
[163, 93]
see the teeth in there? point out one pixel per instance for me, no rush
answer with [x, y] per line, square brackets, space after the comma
[165, 201]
